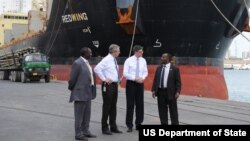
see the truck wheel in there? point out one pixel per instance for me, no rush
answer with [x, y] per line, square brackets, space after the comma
[47, 79]
[1, 75]
[23, 78]
[6, 75]
[18, 76]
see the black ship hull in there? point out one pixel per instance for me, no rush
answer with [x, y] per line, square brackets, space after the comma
[192, 30]
[184, 28]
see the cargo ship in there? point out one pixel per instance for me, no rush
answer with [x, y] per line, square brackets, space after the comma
[197, 32]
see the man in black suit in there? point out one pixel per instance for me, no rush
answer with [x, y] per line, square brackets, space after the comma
[167, 87]
[83, 89]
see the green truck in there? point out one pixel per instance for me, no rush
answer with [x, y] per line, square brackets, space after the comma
[23, 65]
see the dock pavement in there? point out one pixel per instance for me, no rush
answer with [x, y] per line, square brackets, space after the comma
[39, 111]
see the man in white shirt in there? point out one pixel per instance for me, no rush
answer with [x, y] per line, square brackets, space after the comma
[108, 71]
[135, 70]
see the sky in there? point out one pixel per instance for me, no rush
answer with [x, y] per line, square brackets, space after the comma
[9, 5]
[241, 43]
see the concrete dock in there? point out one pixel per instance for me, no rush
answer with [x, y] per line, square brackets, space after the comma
[40, 111]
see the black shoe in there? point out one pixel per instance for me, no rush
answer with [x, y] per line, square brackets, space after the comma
[81, 138]
[106, 132]
[116, 131]
[90, 135]
[137, 127]
[129, 130]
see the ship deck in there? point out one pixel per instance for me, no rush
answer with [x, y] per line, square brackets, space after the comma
[41, 112]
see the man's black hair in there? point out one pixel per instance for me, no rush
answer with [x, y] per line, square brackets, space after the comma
[137, 48]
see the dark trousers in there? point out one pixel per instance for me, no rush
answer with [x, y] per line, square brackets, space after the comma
[134, 97]
[163, 105]
[109, 105]
[82, 110]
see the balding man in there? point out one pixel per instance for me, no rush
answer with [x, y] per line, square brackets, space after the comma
[108, 71]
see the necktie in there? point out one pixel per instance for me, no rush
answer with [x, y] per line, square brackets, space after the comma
[91, 73]
[137, 68]
[162, 76]
[117, 69]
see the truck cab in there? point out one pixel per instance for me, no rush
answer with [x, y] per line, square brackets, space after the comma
[35, 66]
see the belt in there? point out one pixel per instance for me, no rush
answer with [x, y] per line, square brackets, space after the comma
[164, 89]
[111, 83]
[133, 81]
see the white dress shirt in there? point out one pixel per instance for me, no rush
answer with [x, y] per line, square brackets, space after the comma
[90, 70]
[166, 73]
[129, 70]
[107, 69]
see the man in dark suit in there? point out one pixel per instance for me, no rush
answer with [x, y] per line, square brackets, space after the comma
[83, 89]
[167, 87]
